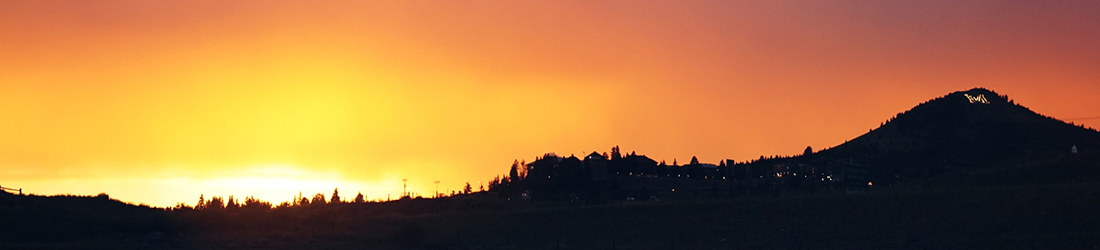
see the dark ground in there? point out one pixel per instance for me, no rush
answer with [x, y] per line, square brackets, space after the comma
[1053, 216]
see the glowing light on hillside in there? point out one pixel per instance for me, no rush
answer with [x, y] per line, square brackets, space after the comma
[976, 99]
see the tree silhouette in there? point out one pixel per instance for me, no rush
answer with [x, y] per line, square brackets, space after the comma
[513, 174]
[467, 189]
[359, 198]
[202, 203]
[494, 184]
[318, 199]
[522, 169]
[251, 203]
[335, 196]
[694, 161]
[300, 200]
[181, 206]
[809, 151]
[215, 203]
[231, 204]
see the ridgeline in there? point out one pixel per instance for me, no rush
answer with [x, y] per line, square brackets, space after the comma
[968, 170]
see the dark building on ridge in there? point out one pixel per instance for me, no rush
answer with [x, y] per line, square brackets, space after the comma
[596, 165]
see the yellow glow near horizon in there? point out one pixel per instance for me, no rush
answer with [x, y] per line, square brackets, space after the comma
[277, 183]
[157, 102]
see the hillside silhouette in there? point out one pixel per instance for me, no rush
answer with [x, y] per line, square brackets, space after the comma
[969, 132]
[66, 221]
[968, 170]
[967, 138]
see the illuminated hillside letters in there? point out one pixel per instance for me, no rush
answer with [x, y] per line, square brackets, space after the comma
[977, 99]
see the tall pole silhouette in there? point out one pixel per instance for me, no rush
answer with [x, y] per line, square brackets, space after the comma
[436, 189]
[404, 187]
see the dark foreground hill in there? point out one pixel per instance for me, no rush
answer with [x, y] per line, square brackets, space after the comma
[30, 221]
[1021, 217]
[971, 132]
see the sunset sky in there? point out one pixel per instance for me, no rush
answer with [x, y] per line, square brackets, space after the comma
[157, 102]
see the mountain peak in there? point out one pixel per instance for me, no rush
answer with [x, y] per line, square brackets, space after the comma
[972, 127]
[979, 96]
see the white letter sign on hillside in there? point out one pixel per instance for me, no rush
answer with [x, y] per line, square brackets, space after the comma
[976, 99]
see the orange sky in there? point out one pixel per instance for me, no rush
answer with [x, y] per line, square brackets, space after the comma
[157, 102]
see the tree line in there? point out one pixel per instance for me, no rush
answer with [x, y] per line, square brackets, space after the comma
[596, 174]
[251, 203]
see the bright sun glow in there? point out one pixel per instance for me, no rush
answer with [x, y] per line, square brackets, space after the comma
[278, 183]
[162, 101]
[273, 183]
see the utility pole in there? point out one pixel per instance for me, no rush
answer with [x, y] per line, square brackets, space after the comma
[404, 187]
[436, 189]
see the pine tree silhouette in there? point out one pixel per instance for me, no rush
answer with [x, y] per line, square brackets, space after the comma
[215, 202]
[335, 196]
[513, 174]
[202, 203]
[231, 204]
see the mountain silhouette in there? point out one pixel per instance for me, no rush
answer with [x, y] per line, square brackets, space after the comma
[966, 131]
[63, 219]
